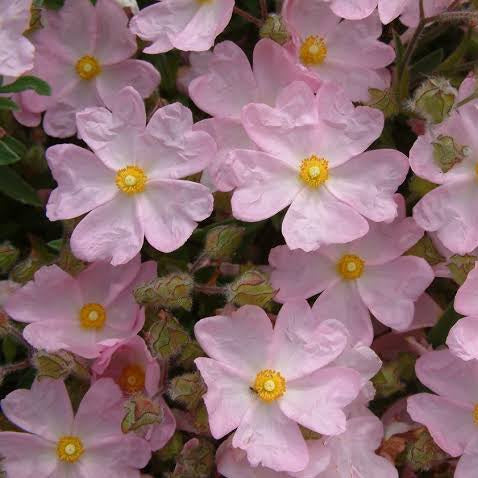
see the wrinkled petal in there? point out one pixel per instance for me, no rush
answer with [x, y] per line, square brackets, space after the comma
[462, 339]
[466, 300]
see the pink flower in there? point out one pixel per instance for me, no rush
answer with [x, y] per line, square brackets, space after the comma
[198, 65]
[16, 52]
[266, 382]
[132, 184]
[463, 337]
[449, 209]
[388, 9]
[84, 52]
[346, 52]
[132, 367]
[312, 159]
[364, 275]
[189, 25]
[451, 416]
[82, 314]
[59, 444]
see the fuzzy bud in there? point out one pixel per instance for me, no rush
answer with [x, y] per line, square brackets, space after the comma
[8, 256]
[461, 266]
[274, 28]
[166, 337]
[393, 376]
[141, 412]
[447, 153]
[385, 101]
[171, 292]
[252, 287]
[434, 100]
[187, 389]
[190, 352]
[425, 249]
[423, 453]
[56, 366]
[223, 241]
[172, 449]
[196, 459]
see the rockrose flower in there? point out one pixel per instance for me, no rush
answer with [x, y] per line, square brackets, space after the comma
[132, 183]
[265, 381]
[313, 160]
[189, 25]
[16, 52]
[346, 52]
[60, 444]
[451, 416]
[365, 275]
[132, 367]
[84, 52]
[448, 155]
[82, 314]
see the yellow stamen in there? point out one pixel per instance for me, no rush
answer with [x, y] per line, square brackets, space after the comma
[202, 2]
[131, 379]
[475, 414]
[314, 171]
[313, 51]
[69, 449]
[350, 267]
[269, 385]
[92, 316]
[131, 180]
[88, 67]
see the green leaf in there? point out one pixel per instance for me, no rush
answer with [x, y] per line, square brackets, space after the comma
[9, 349]
[50, 4]
[14, 186]
[399, 48]
[55, 244]
[7, 154]
[438, 334]
[8, 104]
[27, 83]
[428, 63]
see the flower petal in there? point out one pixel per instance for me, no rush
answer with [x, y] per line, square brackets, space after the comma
[462, 339]
[466, 300]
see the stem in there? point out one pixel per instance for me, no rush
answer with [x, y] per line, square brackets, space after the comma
[14, 367]
[17, 335]
[209, 289]
[264, 11]
[466, 100]
[422, 10]
[247, 16]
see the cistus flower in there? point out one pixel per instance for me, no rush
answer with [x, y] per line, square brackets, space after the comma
[313, 160]
[346, 52]
[84, 62]
[451, 416]
[61, 444]
[265, 381]
[132, 367]
[448, 156]
[132, 183]
[83, 314]
[365, 275]
[16, 51]
[188, 25]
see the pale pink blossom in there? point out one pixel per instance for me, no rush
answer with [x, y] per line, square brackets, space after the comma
[365, 275]
[451, 416]
[16, 51]
[198, 65]
[60, 444]
[84, 52]
[188, 25]
[265, 381]
[343, 51]
[449, 210]
[131, 366]
[463, 337]
[132, 182]
[313, 160]
[82, 314]
[388, 10]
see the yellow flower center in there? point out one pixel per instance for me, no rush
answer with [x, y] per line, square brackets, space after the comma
[92, 316]
[269, 385]
[69, 449]
[131, 379]
[314, 171]
[475, 414]
[202, 2]
[131, 180]
[313, 51]
[88, 67]
[350, 267]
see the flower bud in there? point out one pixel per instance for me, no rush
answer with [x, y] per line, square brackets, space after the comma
[190, 352]
[425, 248]
[274, 28]
[187, 389]
[434, 100]
[166, 337]
[252, 287]
[141, 411]
[447, 153]
[423, 453]
[419, 187]
[25, 269]
[172, 449]
[34, 160]
[393, 376]
[460, 266]
[56, 366]
[171, 292]
[196, 459]
[8, 256]
[385, 101]
[223, 241]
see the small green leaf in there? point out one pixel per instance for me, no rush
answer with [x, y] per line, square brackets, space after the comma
[55, 244]
[438, 334]
[9, 349]
[428, 63]
[8, 104]
[14, 186]
[27, 83]
[11, 150]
